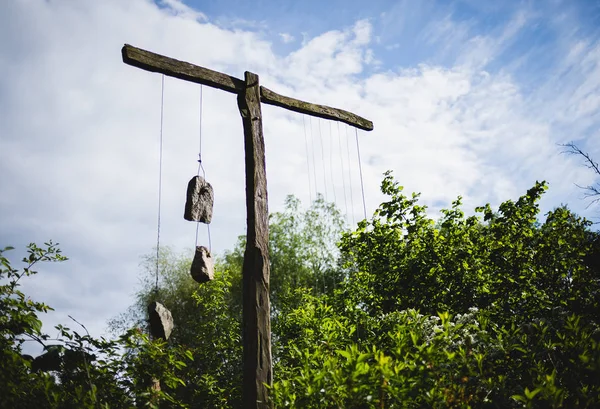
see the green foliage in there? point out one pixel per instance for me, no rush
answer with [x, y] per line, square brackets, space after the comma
[495, 310]
[76, 371]
[438, 361]
[19, 321]
[207, 321]
[302, 248]
[507, 263]
[508, 313]
[212, 332]
[208, 317]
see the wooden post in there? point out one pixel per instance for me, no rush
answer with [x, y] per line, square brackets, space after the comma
[256, 325]
[256, 322]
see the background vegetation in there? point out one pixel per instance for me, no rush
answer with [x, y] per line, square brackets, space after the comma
[498, 309]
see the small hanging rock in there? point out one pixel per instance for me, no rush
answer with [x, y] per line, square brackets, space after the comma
[203, 267]
[199, 203]
[161, 321]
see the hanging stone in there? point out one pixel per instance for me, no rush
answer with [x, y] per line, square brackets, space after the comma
[203, 267]
[199, 203]
[161, 321]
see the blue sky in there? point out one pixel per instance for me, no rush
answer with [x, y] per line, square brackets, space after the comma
[408, 25]
[468, 98]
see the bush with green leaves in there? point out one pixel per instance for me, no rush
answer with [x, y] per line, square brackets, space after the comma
[464, 361]
[495, 311]
[207, 316]
[507, 262]
[74, 370]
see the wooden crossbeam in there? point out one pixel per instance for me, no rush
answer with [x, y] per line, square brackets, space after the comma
[256, 320]
[150, 61]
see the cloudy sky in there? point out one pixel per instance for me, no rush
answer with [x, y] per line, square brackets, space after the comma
[468, 98]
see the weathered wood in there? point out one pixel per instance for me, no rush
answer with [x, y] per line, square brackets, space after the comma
[150, 61]
[256, 319]
[322, 111]
[256, 305]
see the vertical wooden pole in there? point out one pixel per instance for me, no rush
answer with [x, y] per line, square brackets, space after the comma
[256, 305]
[256, 319]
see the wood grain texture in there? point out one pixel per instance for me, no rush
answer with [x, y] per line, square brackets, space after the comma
[256, 321]
[150, 61]
[321, 111]
[256, 304]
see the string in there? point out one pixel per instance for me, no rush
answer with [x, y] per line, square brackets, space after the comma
[331, 163]
[160, 158]
[342, 167]
[362, 186]
[323, 160]
[201, 167]
[307, 160]
[312, 144]
[350, 176]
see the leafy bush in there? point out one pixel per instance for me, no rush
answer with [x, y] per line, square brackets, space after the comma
[494, 310]
[437, 361]
[76, 371]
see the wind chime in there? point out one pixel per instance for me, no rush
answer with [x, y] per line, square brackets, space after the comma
[199, 209]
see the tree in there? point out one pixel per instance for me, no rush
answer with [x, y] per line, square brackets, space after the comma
[507, 262]
[499, 310]
[590, 191]
[207, 321]
[495, 310]
[18, 322]
[207, 317]
[74, 371]
[303, 248]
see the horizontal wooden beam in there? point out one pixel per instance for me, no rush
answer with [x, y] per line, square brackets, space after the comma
[150, 61]
[322, 111]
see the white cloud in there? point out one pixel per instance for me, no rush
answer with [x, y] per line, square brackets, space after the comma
[79, 133]
[363, 32]
[286, 38]
[178, 8]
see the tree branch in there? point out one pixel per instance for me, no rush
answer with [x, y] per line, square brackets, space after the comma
[591, 191]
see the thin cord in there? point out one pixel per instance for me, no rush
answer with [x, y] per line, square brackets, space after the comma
[350, 176]
[201, 167]
[362, 186]
[209, 241]
[307, 160]
[342, 167]
[331, 163]
[312, 144]
[323, 160]
[160, 158]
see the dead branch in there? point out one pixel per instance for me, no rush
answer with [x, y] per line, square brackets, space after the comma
[590, 191]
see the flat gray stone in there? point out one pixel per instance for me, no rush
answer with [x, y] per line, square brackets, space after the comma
[203, 266]
[161, 321]
[199, 202]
